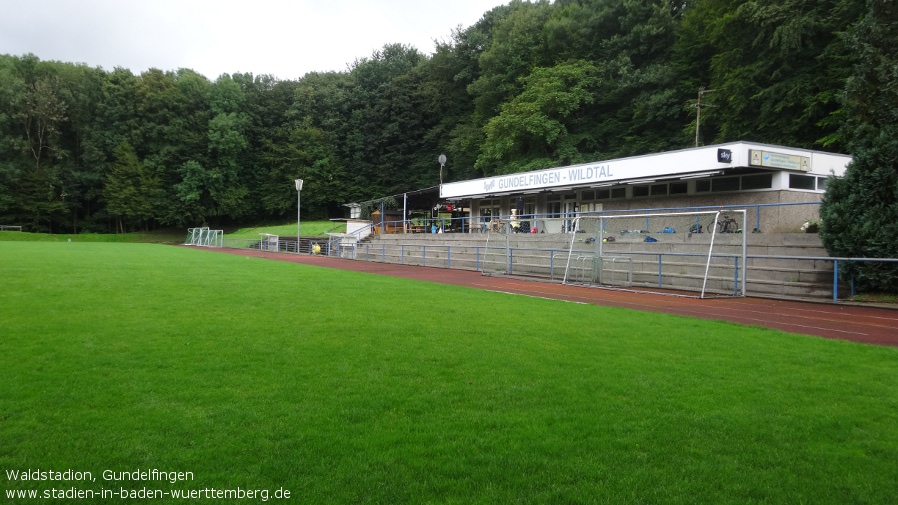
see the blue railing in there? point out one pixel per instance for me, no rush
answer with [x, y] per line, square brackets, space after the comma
[529, 221]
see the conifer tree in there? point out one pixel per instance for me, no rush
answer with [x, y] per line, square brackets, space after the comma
[860, 210]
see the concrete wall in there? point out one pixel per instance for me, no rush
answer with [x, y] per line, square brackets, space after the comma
[778, 219]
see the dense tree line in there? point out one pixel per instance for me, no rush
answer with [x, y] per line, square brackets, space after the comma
[531, 85]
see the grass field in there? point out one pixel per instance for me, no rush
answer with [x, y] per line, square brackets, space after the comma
[342, 387]
[176, 236]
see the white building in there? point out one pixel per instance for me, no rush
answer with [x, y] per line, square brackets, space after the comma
[783, 185]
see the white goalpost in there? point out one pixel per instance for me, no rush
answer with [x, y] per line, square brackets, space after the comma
[204, 237]
[700, 253]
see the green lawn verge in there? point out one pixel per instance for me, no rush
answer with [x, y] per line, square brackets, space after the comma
[175, 236]
[308, 229]
[353, 388]
[169, 236]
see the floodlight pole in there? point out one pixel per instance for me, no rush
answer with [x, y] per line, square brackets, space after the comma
[298, 206]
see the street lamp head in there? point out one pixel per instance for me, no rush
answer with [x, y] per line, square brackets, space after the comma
[442, 160]
[298, 184]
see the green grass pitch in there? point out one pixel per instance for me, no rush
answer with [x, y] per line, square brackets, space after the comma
[342, 387]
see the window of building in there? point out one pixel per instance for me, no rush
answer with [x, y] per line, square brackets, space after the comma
[821, 183]
[529, 205]
[759, 181]
[605, 194]
[659, 189]
[640, 191]
[489, 208]
[802, 182]
[553, 206]
[703, 186]
[679, 188]
[725, 184]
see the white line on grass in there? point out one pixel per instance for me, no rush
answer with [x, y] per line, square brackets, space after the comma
[535, 296]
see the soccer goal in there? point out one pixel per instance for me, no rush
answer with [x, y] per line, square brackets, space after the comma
[495, 257]
[508, 249]
[204, 237]
[700, 253]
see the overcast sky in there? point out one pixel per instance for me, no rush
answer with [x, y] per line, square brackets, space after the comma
[283, 38]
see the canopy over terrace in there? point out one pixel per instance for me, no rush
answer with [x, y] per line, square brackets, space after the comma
[734, 174]
[686, 163]
[412, 211]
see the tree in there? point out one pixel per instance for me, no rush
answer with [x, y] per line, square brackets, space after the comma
[81, 170]
[35, 114]
[303, 153]
[537, 129]
[381, 130]
[130, 190]
[173, 115]
[860, 210]
[775, 66]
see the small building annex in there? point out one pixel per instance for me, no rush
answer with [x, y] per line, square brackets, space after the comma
[781, 186]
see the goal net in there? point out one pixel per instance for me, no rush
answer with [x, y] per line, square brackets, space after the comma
[701, 253]
[204, 237]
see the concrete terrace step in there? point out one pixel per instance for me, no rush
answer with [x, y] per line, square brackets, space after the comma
[772, 268]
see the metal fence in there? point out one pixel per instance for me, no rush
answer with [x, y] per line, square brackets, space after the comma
[815, 277]
[789, 276]
[781, 217]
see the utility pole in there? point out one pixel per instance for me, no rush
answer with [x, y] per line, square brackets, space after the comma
[698, 112]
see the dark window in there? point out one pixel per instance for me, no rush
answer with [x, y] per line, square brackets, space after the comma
[587, 196]
[554, 209]
[703, 186]
[659, 189]
[603, 194]
[760, 181]
[679, 188]
[640, 191]
[802, 182]
[619, 193]
[725, 184]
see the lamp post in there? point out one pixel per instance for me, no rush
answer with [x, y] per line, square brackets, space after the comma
[442, 160]
[298, 201]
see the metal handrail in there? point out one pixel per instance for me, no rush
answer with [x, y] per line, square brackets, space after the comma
[478, 223]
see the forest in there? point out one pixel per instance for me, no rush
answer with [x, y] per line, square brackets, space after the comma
[531, 85]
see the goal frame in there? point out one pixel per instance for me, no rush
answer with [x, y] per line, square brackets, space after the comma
[604, 217]
[204, 237]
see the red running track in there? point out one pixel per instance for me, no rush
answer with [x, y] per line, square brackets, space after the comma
[865, 324]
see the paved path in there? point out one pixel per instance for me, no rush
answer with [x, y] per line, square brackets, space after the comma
[872, 325]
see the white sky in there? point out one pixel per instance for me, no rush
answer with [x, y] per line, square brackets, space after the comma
[283, 38]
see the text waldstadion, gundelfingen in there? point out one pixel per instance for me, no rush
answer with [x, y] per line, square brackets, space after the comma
[153, 475]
